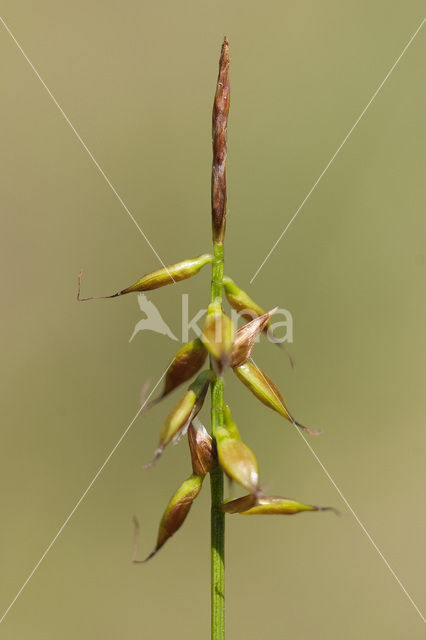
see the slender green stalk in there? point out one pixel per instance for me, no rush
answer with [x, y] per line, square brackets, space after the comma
[216, 483]
[218, 198]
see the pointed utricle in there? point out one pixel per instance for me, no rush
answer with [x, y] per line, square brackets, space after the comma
[161, 277]
[267, 392]
[230, 424]
[169, 275]
[218, 333]
[268, 506]
[181, 415]
[240, 300]
[186, 363]
[237, 460]
[177, 510]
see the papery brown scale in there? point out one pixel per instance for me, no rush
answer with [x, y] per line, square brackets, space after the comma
[202, 448]
[239, 504]
[246, 337]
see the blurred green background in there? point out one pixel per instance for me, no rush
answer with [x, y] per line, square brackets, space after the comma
[137, 81]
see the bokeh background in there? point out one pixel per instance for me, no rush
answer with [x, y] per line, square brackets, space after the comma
[137, 81]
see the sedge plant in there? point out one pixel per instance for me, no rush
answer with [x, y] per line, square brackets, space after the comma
[221, 451]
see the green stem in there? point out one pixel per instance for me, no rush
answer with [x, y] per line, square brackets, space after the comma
[216, 483]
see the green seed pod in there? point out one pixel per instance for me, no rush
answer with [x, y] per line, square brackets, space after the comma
[230, 424]
[159, 278]
[181, 415]
[246, 337]
[266, 391]
[203, 451]
[237, 460]
[218, 333]
[269, 506]
[187, 361]
[177, 510]
[240, 300]
[175, 272]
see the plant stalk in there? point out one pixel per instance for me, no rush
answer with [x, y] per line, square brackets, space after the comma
[216, 483]
[218, 200]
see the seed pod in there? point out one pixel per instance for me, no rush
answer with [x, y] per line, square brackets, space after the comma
[230, 425]
[201, 445]
[180, 417]
[218, 334]
[240, 300]
[187, 361]
[266, 391]
[269, 506]
[237, 460]
[249, 309]
[177, 510]
[161, 277]
[246, 337]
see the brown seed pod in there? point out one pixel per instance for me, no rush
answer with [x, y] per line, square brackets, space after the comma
[175, 513]
[187, 361]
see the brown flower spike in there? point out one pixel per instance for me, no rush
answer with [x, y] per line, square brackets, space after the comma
[219, 126]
